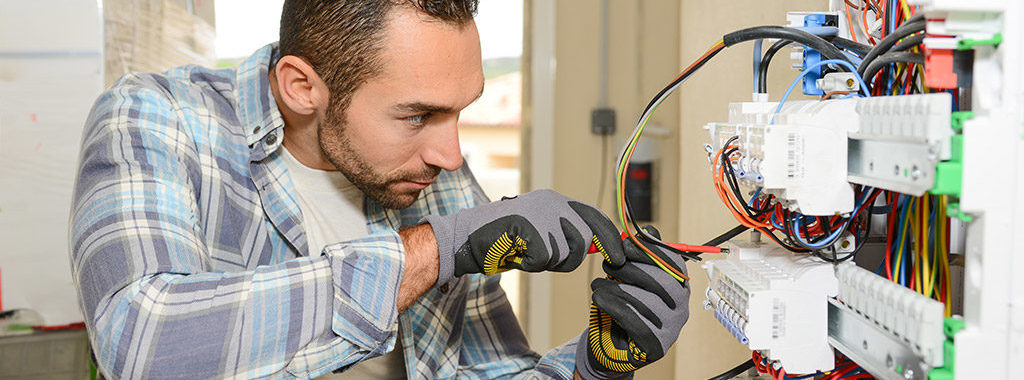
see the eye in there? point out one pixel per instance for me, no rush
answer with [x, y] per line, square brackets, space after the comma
[418, 120]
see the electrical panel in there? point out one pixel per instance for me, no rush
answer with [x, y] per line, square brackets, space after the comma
[914, 150]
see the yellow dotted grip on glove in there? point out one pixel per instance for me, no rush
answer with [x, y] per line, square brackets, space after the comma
[599, 336]
[501, 252]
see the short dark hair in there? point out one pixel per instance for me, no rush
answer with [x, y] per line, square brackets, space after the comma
[341, 39]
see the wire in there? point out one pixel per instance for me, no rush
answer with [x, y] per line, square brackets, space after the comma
[624, 209]
[914, 25]
[893, 57]
[728, 235]
[826, 49]
[909, 42]
[849, 21]
[765, 61]
[757, 63]
[735, 371]
[808, 70]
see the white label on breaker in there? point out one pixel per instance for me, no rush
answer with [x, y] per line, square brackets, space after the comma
[794, 156]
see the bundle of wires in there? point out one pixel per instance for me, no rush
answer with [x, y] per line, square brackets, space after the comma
[844, 369]
[917, 245]
[766, 214]
[622, 202]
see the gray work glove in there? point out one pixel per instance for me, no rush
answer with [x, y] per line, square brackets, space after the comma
[636, 314]
[537, 231]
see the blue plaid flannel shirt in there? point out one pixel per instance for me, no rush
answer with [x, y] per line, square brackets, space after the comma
[186, 242]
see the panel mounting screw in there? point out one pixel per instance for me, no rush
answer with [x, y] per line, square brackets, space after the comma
[909, 374]
[915, 173]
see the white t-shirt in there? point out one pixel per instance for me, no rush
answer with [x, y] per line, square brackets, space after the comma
[332, 212]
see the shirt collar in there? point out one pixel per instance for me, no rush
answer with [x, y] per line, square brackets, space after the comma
[257, 108]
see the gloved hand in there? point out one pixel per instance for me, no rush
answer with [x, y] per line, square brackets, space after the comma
[537, 231]
[636, 314]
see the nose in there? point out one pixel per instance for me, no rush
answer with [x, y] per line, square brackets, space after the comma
[443, 148]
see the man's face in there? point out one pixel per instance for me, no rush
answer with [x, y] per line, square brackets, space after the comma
[400, 128]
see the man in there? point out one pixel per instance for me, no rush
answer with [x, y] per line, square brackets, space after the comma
[309, 212]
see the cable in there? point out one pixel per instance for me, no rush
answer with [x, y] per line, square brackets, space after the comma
[887, 58]
[853, 46]
[909, 42]
[735, 371]
[728, 235]
[757, 63]
[808, 70]
[914, 25]
[826, 49]
[624, 209]
[765, 61]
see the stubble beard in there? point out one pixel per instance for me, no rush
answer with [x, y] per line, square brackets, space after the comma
[337, 147]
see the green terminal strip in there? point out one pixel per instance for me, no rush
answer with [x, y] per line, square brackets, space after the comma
[951, 327]
[967, 43]
[949, 174]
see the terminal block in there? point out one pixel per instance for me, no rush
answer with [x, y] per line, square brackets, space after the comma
[807, 153]
[776, 302]
[892, 331]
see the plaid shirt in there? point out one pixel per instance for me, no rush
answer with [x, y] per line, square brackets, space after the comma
[187, 239]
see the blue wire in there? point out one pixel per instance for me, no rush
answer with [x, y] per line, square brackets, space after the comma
[756, 193]
[809, 69]
[835, 234]
[903, 238]
[757, 63]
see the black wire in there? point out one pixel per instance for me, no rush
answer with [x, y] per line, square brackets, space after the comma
[855, 47]
[762, 85]
[728, 235]
[629, 208]
[735, 371]
[887, 58]
[734, 186]
[909, 42]
[913, 25]
[824, 47]
[867, 231]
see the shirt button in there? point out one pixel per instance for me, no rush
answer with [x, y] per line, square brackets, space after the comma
[271, 139]
[444, 288]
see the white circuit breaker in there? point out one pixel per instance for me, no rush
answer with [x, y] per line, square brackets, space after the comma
[775, 301]
[808, 152]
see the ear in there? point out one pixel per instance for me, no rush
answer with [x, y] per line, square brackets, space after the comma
[300, 86]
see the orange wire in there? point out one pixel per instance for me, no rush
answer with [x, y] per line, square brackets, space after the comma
[864, 17]
[849, 20]
[622, 178]
[729, 198]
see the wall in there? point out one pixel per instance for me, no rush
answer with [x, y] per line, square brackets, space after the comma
[705, 348]
[643, 44]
